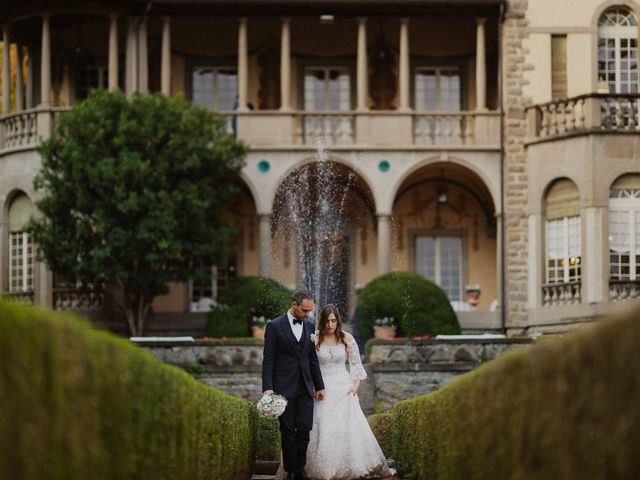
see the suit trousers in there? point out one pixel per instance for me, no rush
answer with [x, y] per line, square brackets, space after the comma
[295, 425]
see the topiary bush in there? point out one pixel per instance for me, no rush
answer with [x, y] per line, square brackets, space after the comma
[268, 439]
[78, 403]
[245, 298]
[418, 306]
[382, 426]
[566, 408]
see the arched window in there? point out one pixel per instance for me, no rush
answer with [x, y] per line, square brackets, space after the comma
[624, 228]
[20, 246]
[618, 50]
[563, 237]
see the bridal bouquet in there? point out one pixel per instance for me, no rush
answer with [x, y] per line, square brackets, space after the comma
[272, 406]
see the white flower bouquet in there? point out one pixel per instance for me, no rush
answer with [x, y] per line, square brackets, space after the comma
[272, 406]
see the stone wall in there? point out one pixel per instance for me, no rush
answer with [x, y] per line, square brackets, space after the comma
[515, 158]
[397, 369]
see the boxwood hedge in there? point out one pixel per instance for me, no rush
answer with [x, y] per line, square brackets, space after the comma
[418, 306]
[566, 408]
[77, 403]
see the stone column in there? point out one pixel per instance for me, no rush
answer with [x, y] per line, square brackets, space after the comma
[285, 66]
[265, 244]
[481, 66]
[6, 70]
[362, 73]
[45, 59]
[165, 76]
[536, 259]
[143, 57]
[404, 64]
[19, 79]
[243, 65]
[384, 243]
[29, 96]
[113, 53]
[595, 245]
[131, 69]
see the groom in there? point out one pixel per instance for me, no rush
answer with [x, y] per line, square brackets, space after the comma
[290, 367]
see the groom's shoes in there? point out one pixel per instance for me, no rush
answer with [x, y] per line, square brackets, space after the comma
[301, 476]
[290, 476]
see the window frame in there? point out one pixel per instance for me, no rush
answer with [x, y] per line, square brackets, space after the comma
[567, 277]
[460, 63]
[631, 206]
[462, 235]
[617, 33]
[215, 63]
[347, 62]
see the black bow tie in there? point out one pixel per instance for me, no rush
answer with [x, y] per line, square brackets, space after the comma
[297, 320]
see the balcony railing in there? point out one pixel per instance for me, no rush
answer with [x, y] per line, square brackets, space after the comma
[623, 290]
[464, 129]
[72, 299]
[561, 293]
[25, 298]
[583, 114]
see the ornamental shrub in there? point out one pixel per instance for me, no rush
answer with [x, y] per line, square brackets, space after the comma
[418, 306]
[566, 408]
[382, 426]
[247, 297]
[78, 403]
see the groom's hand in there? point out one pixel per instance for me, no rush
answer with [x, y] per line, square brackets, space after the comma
[267, 392]
[320, 395]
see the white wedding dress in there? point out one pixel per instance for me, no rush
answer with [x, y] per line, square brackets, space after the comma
[342, 445]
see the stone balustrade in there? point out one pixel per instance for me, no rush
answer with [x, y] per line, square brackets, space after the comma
[72, 299]
[561, 293]
[25, 298]
[624, 290]
[19, 130]
[397, 369]
[23, 130]
[583, 114]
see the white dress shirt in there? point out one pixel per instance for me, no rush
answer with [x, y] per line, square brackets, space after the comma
[297, 328]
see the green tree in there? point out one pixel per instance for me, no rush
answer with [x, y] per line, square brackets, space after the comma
[133, 192]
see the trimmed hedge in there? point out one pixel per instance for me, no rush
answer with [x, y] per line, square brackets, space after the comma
[418, 306]
[268, 445]
[382, 426]
[566, 408]
[77, 403]
[245, 298]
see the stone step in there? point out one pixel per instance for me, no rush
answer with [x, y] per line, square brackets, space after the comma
[262, 477]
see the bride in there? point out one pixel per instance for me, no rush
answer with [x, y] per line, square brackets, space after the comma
[342, 445]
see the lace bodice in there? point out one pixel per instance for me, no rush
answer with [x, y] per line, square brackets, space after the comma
[333, 359]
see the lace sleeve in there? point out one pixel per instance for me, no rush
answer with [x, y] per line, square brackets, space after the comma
[355, 364]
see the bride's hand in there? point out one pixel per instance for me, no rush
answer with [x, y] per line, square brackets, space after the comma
[353, 390]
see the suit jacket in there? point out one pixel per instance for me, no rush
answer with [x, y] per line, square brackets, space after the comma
[285, 360]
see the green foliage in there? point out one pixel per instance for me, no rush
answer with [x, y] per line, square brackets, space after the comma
[563, 409]
[418, 306]
[268, 443]
[382, 426]
[77, 403]
[245, 298]
[133, 191]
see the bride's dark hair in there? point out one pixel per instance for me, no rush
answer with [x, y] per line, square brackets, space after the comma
[324, 319]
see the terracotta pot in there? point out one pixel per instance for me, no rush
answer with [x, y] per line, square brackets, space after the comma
[257, 332]
[384, 333]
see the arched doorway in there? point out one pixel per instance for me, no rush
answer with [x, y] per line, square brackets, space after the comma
[444, 228]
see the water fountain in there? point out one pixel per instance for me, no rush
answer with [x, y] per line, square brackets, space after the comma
[322, 204]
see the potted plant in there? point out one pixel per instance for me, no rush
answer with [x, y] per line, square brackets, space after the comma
[384, 328]
[258, 325]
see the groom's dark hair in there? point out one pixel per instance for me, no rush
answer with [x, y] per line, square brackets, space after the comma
[300, 295]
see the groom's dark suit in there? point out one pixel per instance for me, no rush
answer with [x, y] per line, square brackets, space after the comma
[290, 368]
